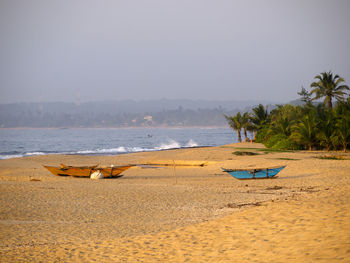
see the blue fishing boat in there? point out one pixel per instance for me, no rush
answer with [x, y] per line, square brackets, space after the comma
[256, 173]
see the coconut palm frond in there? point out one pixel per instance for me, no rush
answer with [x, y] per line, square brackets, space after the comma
[328, 86]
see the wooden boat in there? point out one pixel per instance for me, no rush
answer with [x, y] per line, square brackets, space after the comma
[86, 171]
[256, 173]
[63, 166]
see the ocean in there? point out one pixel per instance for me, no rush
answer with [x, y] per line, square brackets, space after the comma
[107, 141]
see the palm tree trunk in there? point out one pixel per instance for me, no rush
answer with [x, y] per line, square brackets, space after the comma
[239, 135]
[245, 134]
[310, 147]
[330, 103]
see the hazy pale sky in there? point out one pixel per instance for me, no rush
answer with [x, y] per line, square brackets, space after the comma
[70, 50]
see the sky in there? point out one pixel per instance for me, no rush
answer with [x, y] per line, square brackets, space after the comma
[89, 50]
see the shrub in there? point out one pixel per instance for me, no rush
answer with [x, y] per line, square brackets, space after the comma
[261, 134]
[286, 144]
[274, 139]
[241, 153]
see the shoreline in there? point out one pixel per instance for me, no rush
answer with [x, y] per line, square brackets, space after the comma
[137, 216]
[99, 154]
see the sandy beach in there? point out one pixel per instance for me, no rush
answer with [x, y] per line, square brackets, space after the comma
[177, 214]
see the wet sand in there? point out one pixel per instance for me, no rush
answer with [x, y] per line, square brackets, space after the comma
[186, 213]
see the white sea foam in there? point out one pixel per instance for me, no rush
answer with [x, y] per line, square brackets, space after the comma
[172, 144]
[3, 157]
[120, 149]
[9, 156]
[112, 150]
[191, 143]
[100, 151]
[83, 152]
[34, 153]
[138, 149]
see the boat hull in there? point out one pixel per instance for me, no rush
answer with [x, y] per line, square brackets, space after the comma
[86, 171]
[263, 173]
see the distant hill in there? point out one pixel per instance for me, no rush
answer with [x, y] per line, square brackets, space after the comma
[120, 113]
[297, 102]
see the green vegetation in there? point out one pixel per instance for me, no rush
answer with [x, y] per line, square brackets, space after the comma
[329, 158]
[342, 158]
[242, 153]
[329, 87]
[246, 148]
[267, 150]
[236, 123]
[309, 126]
[287, 159]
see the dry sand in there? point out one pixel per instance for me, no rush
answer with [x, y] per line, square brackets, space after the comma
[190, 213]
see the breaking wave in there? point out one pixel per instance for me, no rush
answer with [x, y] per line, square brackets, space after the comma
[8, 155]
[112, 150]
[191, 143]
[171, 144]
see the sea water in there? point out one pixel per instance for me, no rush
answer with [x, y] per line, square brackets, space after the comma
[107, 141]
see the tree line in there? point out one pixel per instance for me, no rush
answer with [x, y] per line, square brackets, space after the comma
[308, 126]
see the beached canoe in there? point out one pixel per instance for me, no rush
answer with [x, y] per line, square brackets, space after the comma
[86, 171]
[256, 173]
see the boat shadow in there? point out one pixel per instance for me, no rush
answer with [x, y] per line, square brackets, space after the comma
[298, 176]
[114, 177]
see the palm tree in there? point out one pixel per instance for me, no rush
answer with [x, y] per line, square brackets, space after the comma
[282, 119]
[343, 131]
[235, 123]
[258, 118]
[305, 96]
[246, 125]
[251, 127]
[325, 124]
[342, 126]
[304, 132]
[328, 86]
